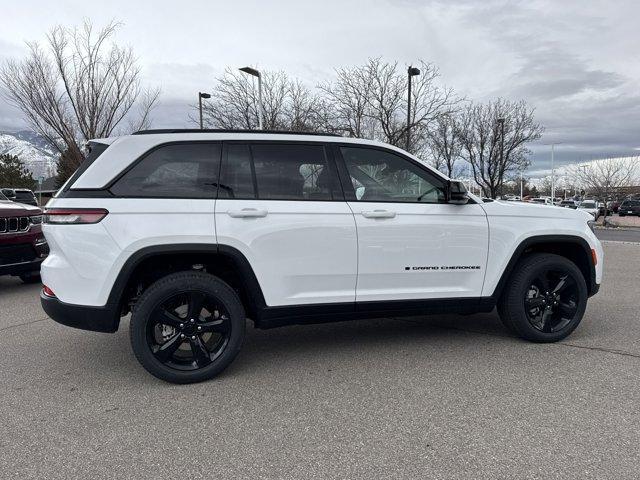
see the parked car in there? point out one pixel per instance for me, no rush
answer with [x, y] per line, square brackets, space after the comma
[20, 195]
[22, 244]
[568, 204]
[629, 207]
[541, 201]
[590, 206]
[194, 231]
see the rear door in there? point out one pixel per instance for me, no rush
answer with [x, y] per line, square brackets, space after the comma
[411, 244]
[280, 205]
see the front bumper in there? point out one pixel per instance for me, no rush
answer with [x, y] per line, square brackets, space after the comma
[20, 268]
[27, 265]
[95, 319]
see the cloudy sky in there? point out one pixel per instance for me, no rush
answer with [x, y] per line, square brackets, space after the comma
[576, 62]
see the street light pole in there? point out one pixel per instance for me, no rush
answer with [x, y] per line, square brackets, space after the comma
[520, 184]
[202, 95]
[411, 72]
[501, 123]
[553, 176]
[255, 73]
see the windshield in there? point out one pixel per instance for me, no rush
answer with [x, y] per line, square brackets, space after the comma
[588, 205]
[2, 197]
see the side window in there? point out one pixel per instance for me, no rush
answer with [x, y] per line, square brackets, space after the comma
[380, 176]
[173, 171]
[276, 172]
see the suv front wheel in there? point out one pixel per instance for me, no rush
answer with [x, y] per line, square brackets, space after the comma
[187, 327]
[545, 299]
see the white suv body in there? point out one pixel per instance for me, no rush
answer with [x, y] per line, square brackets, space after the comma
[302, 227]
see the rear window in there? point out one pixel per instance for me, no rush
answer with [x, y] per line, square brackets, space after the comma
[24, 195]
[588, 205]
[631, 203]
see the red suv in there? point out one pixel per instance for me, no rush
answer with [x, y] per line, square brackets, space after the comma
[22, 245]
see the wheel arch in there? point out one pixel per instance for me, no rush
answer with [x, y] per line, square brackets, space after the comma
[150, 263]
[572, 247]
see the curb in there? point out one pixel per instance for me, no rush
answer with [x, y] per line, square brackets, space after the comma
[620, 241]
[618, 229]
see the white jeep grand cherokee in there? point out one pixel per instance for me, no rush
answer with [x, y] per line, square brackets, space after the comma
[195, 231]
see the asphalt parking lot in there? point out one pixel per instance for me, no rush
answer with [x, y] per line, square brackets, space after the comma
[437, 397]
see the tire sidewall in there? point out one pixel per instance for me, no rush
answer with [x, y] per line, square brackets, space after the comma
[169, 286]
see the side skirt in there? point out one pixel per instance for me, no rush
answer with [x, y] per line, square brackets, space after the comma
[271, 317]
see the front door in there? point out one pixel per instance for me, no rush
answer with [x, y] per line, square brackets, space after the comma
[411, 244]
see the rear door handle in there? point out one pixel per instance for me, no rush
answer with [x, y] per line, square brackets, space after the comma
[379, 214]
[247, 213]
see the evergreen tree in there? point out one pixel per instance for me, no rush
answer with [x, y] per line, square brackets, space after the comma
[13, 173]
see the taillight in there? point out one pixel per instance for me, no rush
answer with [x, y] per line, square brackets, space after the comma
[73, 216]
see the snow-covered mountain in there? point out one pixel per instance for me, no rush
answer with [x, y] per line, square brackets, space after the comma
[29, 147]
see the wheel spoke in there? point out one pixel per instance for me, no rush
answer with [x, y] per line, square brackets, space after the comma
[168, 348]
[196, 300]
[564, 283]
[568, 309]
[546, 321]
[200, 353]
[220, 325]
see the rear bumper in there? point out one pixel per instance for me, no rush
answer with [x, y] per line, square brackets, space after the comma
[95, 319]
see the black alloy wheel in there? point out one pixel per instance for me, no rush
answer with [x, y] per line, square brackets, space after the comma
[187, 327]
[544, 299]
[188, 330]
[551, 302]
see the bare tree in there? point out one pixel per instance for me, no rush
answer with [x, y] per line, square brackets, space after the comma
[348, 102]
[482, 145]
[607, 177]
[370, 101]
[444, 143]
[287, 104]
[77, 87]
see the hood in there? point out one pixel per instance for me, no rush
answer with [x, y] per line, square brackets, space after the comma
[521, 209]
[13, 209]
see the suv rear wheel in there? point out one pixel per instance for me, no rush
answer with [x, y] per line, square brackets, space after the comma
[187, 327]
[545, 299]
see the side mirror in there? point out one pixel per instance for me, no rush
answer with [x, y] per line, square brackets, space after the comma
[457, 193]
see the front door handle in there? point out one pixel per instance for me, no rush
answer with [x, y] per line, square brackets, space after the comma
[247, 213]
[379, 214]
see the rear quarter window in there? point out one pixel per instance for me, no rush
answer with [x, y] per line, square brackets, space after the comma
[173, 171]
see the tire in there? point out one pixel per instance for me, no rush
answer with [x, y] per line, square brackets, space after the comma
[33, 277]
[536, 305]
[187, 327]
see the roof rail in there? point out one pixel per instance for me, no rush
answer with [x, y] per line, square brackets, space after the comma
[222, 130]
